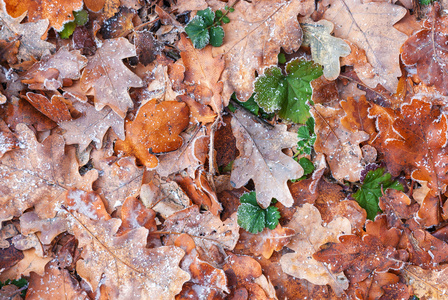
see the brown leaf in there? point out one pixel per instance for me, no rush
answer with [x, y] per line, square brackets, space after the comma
[358, 257]
[119, 25]
[56, 283]
[48, 228]
[427, 284]
[428, 49]
[397, 207]
[30, 263]
[8, 141]
[356, 118]
[55, 109]
[155, 129]
[274, 22]
[31, 44]
[202, 73]
[340, 145]
[121, 263]
[225, 143]
[261, 159]
[9, 257]
[310, 234]
[359, 24]
[45, 171]
[265, 242]
[135, 215]
[108, 79]
[146, 46]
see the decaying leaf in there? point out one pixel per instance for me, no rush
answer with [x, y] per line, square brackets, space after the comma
[45, 171]
[155, 129]
[54, 108]
[427, 284]
[261, 159]
[310, 234]
[359, 23]
[325, 48]
[108, 79]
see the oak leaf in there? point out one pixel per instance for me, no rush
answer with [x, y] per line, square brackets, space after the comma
[427, 284]
[310, 234]
[357, 115]
[45, 171]
[31, 262]
[428, 49]
[121, 263]
[359, 23]
[155, 129]
[48, 228]
[380, 286]
[261, 159]
[325, 48]
[242, 50]
[31, 44]
[91, 126]
[108, 79]
[340, 145]
[54, 108]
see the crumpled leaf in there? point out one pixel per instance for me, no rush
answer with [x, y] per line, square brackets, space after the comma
[242, 50]
[155, 129]
[121, 263]
[261, 159]
[427, 284]
[340, 145]
[310, 234]
[108, 79]
[31, 44]
[91, 126]
[358, 257]
[428, 49]
[414, 140]
[325, 48]
[359, 23]
[45, 171]
[288, 93]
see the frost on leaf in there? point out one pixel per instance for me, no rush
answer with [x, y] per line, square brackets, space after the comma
[427, 284]
[31, 44]
[325, 48]
[310, 234]
[91, 126]
[262, 160]
[339, 144]
[122, 264]
[38, 175]
[369, 25]
[428, 49]
[108, 79]
[274, 22]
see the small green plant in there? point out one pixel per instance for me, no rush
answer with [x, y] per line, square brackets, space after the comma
[20, 283]
[307, 137]
[251, 106]
[81, 18]
[206, 27]
[253, 218]
[370, 191]
[288, 94]
[426, 2]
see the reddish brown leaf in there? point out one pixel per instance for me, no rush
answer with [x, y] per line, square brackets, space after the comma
[356, 118]
[55, 109]
[8, 141]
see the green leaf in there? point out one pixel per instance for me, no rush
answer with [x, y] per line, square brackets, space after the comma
[325, 48]
[68, 30]
[81, 17]
[208, 16]
[288, 93]
[218, 14]
[18, 283]
[369, 193]
[306, 138]
[281, 58]
[253, 218]
[216, 36]
[307, 165]
[198, 32]
[226, 19]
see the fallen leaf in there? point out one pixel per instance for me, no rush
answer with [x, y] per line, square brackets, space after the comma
[31, 262]
[45, 171]
[357, 115]
[108, 79]
[427, 284]
[261, 159]
[242, 51]
[8, 140]
[54, 108]
[359, 23]
[155, 129]
[325, 48]
[48, 228]
[310, 234]
[340, 145]
[428, 49]
[31, 44]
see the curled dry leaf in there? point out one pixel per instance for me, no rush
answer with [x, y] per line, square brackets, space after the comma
[310, 234]
[45, 171]
[429, 50]
[121, 263]
[359, 23]
[155, 129]
[262, 160]
[244, 54]
[108, 79]
[31, 44]
[339, 144]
